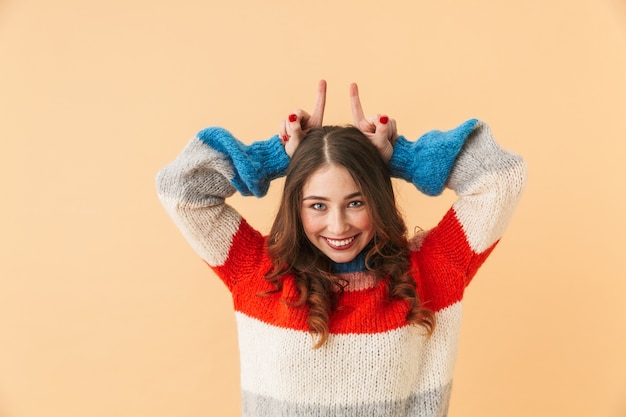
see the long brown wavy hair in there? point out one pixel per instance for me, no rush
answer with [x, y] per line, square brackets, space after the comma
[388, 253]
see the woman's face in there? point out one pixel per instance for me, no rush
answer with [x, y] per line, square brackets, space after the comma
[335, 216]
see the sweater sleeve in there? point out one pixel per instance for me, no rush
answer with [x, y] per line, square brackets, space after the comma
[211, 167]
[488, 181]
[428, 161]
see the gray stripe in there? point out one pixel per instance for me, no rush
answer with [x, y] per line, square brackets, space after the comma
[429, 404]
[193, 188]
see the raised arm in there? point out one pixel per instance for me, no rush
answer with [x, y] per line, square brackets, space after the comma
[489, 181]
[212, 166]
[487, 178]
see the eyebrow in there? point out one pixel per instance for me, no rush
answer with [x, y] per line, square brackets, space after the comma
[348, 197]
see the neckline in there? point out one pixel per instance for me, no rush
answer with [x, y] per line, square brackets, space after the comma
[355, 265]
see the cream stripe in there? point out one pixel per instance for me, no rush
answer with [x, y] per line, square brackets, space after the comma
[349, 369]
[209, 231]
[485, 216]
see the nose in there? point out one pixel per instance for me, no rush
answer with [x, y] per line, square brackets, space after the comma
[337, 223]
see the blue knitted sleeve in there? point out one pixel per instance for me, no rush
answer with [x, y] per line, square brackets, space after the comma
[254, 165]
[428, 161]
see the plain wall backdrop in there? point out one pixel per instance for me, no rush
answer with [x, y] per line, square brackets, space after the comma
[106, 311]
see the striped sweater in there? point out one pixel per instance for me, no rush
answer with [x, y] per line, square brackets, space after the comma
[373, 363]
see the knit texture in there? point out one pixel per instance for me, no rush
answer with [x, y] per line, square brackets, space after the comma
[374, 363]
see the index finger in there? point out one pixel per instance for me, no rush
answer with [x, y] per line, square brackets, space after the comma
[355, 102]
[320, 103]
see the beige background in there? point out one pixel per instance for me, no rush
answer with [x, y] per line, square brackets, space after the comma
[106, 311]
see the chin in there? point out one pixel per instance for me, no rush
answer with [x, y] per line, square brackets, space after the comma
[342, 258]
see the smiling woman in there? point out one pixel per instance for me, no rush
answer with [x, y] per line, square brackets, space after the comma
[384, 311]
[335, 218]
[339, 193]
[339, 213]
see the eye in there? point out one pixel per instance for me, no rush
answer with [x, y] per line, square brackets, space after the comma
[354, 204]
[318, 206]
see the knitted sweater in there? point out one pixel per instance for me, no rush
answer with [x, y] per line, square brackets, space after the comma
[373, 363]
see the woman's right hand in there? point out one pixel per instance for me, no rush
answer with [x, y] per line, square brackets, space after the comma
[297, 124]
[379, 129]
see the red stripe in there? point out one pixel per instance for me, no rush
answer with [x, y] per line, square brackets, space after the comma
[245, 257]
[448, 261]
[442, 267]
[366, 311]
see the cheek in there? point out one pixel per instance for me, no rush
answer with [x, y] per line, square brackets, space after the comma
[364, 222]
[308, 222]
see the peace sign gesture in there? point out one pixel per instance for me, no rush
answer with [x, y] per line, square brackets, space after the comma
[296, 126]
[379, 129]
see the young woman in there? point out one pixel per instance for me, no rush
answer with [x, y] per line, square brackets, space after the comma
[339, 312]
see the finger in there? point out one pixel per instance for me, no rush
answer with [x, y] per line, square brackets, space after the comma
[373, 119]
[320, 103]
[295, 122]
[368, 125]
[302, 116]
[393, 134]
[306, 120]
[381, 124]
[381, 138]
[355, 104]
[282, 131]
[387, 124]
[294, 131]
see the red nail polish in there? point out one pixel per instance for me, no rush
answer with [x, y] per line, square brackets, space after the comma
[384, 119]
[285, 138]
[293, 118]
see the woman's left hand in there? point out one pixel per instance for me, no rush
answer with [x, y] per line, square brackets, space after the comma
[297, 125]
[379, 129]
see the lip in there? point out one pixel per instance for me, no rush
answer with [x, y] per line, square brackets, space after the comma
[341, 247]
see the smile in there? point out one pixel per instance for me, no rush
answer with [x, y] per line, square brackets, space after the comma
[340, 243]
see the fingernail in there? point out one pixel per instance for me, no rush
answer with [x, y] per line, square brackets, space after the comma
[293, 118]
[285, 138]
[384, 119]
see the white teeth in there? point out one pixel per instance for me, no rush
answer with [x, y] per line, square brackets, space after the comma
[342, 242]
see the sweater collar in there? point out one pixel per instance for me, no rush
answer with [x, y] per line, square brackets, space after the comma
[355, 265]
